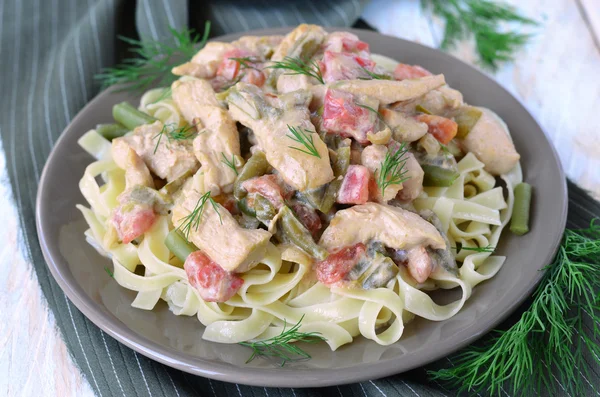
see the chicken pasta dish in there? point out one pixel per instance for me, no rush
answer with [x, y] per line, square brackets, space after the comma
[300, 179]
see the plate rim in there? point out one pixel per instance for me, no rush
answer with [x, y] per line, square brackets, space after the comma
[270, 377]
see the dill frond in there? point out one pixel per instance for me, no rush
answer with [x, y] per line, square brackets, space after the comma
[230, 163]
[303, 137]
[299, 66]
[392, 171]
[481, 19]
[192, 220]
[153, 61]
[282, 346]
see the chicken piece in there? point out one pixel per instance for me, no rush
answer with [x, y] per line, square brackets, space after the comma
[373, 157]
[392, 226]
[206, 62]
[490, 142]
[166, 158]
[136, 171]
[419, 263]
[404, 128]
[272, 118]
[218, 137]
[268, 187]
[301, 42]
[218, 234]
[389, 91]
[293, 82]
[440, 101]
[413, 185]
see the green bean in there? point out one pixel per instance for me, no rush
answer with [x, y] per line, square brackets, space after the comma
[438, 176]
[381, 271]
[256, 165]
[466, 117]
[422, 109]
[178, 245]
[519, 223]
[265, 211]
[129, 116]
[243, 207]
[111, 131]
[323, 197]
[342, 161]
[295, 231]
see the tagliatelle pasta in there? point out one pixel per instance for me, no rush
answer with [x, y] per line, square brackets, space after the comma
[267, 251]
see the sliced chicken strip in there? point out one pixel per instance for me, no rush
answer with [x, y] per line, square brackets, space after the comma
[389, 91]
[271, 117]
[218, 137]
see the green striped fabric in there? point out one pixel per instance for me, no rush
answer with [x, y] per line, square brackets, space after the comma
[51, 49]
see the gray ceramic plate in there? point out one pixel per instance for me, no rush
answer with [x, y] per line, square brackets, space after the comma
[176, 341]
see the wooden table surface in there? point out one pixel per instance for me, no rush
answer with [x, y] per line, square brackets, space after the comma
[557, 77]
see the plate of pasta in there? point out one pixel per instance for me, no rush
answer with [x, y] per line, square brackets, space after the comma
[302, 207]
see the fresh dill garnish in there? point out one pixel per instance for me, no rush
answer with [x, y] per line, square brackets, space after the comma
[234, 82]
[374, 76]
[175, 134]
[550, 340]
[192, 221]
[230, 163]
[392, 171]
[299, 66]
[488, 248]
[481, 19]
[107, 270]
[282, 346]
[154, 60]
[246, 62]
[303, 137]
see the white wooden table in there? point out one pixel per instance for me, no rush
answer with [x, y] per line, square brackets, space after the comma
[557, 77]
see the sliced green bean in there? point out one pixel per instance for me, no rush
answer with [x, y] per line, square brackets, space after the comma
[519, 223]
[256, 165]
[323, 197]
[178, 245]
[130, 117]
[438, 176]
[466, 117]
[342, 161]
[243, 207]
[111, 131]
[295, 231]
[422, 109]
[264, 210]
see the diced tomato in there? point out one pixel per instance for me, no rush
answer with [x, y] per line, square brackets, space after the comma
[212, 282]
[405, 72]
[131, 220]
[441, 128]
[229, 202]
[268, 187]
[346, 42]
[229, 67]
[309, 217]
[253, 76]
[355, 186]
[337, 265]
[337, 66]
[342, 115]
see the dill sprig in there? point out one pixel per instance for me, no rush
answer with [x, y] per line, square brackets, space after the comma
[299, 66]
[379, 116]
[230, 163]
[234, 82]
[305, 138]
[481, 20]
[192, 220]
[246, 62]
[374, 76]
[153, 60]
[550, 340]
[282, 347]
[488, 248]
[107, 270]
[174, 134]
[392, 171]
